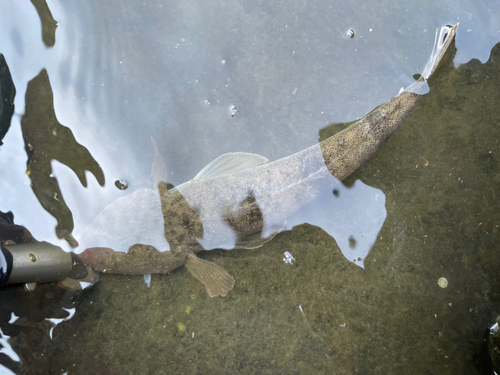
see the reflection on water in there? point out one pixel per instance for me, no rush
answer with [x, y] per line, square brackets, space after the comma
[281, 67]
[7, 94]
[49, 25]
[46, 139]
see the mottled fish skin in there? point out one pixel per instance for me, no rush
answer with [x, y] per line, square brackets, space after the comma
[248, 207]
[347, 150]
[140, 260]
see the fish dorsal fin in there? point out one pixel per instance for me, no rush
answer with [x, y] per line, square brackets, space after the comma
[158, 169]
[230, 163]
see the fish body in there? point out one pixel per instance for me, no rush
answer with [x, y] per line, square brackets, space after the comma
[241, 201]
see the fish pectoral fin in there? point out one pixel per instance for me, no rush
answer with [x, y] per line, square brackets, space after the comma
[217, 280]
[230, 163]
[258, 239]
[254, 241]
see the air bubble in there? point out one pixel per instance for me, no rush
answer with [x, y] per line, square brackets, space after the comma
[120, 184]
[233, 110]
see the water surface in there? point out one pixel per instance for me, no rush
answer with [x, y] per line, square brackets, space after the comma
[271, 79]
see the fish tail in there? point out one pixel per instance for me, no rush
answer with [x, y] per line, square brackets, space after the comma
[444, 36]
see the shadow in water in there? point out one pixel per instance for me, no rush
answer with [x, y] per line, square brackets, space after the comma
[49, 25]
[7, 95]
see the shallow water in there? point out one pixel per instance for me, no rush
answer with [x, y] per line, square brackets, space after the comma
[123, 73]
